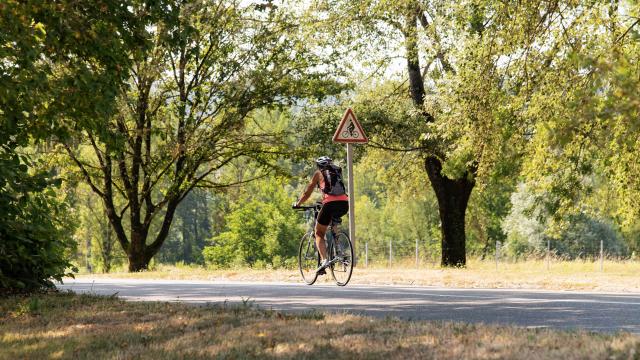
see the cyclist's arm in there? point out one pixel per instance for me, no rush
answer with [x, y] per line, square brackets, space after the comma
[315, 180]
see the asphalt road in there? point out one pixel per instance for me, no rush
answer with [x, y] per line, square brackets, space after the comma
[605, 312]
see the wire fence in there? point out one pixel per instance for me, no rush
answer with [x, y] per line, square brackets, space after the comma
[423, 254]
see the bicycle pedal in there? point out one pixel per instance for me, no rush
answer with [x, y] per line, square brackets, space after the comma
[322, 272]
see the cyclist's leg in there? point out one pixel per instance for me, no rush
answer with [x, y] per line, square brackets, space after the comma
[322, 222]
[336, 221]
[320, 241]
[340, 209]
[330, 212]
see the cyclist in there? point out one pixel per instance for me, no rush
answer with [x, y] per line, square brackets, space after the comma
[335, 202]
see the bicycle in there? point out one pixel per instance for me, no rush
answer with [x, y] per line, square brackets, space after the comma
[339, 248]
[350, 134]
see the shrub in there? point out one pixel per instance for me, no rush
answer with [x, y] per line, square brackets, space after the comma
[291, 263]
[579, 238]
[34, 241]
[260, 232]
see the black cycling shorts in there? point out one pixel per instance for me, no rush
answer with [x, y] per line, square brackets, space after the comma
[333, 210]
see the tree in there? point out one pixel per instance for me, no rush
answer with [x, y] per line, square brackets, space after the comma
[182, 118]
[589, 134]
[52, 57]
[471, 68]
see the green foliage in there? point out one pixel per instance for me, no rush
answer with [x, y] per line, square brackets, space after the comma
[587, 117]
[97, 243]
[57, 59]
[582, 238]
[523, 225]
[488, 207]
[528, 231]
[35, 241]
[61, 62]
[261, 230]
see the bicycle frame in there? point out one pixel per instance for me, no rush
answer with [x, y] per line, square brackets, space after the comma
[311, 216]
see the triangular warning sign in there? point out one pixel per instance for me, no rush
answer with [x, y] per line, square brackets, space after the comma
[349, 130]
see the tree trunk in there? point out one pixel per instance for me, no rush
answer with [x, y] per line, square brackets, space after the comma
[138, 251]
[138, 259]
[107, 248]
[453, 197]
[88, 259]
[138, 262]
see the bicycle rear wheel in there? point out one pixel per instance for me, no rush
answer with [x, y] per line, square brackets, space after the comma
[308, 258]
[342, 251]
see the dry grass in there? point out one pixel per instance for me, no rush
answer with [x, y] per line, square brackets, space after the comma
[562, 275]
[63, 326]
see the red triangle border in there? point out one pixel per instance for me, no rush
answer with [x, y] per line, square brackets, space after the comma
[342, 124]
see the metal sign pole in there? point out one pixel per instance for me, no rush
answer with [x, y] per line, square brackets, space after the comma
[352, 195]
[349, 131]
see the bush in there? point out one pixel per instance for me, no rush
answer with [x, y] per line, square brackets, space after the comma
[290, 263]
[261, 265]
[256, 232]
[259, 233]
[580, 237]
[34, 241]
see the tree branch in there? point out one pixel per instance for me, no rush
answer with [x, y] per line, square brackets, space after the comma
[84, 171]
[627, 31]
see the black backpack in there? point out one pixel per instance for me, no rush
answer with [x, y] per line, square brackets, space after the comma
[333, 184]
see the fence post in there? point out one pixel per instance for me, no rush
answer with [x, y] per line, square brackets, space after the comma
[548, 252]
[366, 254]
[497, 253]
[390, 253]
[417, 263]
[601, 255]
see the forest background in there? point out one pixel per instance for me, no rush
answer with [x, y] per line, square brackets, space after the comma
[187, 138]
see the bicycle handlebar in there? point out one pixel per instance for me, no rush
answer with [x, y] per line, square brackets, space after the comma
[307, 207]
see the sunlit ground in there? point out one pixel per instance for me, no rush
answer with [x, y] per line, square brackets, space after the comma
[615, 276]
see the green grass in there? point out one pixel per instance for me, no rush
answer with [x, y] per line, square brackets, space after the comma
[64, 326]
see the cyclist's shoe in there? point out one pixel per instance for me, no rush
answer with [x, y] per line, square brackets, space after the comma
[323, 266]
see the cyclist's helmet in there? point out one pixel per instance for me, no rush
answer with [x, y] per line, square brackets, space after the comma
[323, 161]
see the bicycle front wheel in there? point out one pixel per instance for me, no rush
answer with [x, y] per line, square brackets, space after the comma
[342, 253]
[308, 258]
